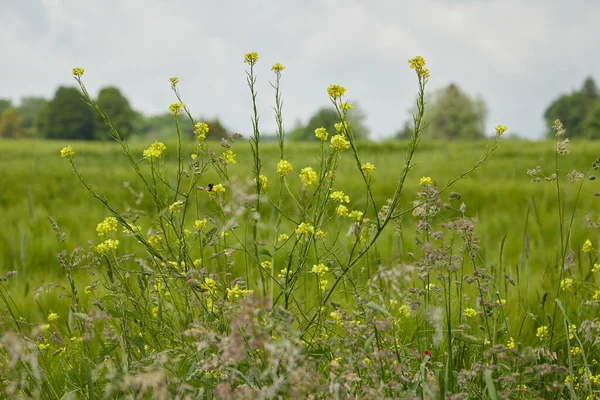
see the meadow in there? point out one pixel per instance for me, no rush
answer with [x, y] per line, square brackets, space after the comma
[331, 269]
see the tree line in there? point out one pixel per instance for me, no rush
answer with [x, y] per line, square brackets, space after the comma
[451, 114]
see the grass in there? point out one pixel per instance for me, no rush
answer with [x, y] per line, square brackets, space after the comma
[482, 287]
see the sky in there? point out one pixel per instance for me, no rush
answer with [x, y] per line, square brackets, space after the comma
[518, 55]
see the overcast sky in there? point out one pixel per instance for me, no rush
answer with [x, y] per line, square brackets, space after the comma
[517, 54]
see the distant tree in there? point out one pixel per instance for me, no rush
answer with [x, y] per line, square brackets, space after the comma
[4, 104]
[11, 124]
[67, 117]
[216, 130]
[29, 109]
[327, 117]
[452, 114]
[116, 106]
[573, 110]
[163, 126]
[40, 125]
[591, 124]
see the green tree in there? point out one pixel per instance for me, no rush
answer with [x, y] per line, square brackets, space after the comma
[29, 109]
[162, 126]
[327, 117]
[11, 124]
[573, 110]
[67, 117]
[4, 104]
[116, 106]
[591, 123]
[452, 114]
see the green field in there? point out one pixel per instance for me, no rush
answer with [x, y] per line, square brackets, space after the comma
[517, 222]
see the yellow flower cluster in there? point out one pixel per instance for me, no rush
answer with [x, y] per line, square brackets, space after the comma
[336, 316]
[305, 228]
[132, 228]
[108, 225]
[266, 265]
[77, 339]
[320, 270]
[340, 196]
[228, 157]
[218, 188]
[356, 215]
[469, 312]
[418, 64]
[176, 108]
[542, 332]
[155, 240]
[341, 127]
[500, 129]
[283, 237]
[201, 129]
[566, 284]
[236, 293]
[346, 106]
[251, 58]
[342, 210]
[426, 180]
[320, 234]
[404, 311]
[78, 72]
[67, 152]
[52, 317]
[210, 286]
[277, 67]
[174, 81]
[308, 176]
[587, 246]
[154, 151]
[106, 246]
[340, 143]
[176, 206]
[199, 224]
[336, 91]
[284, 167]
[263, 182]
[321, 133]
[511, 343]
[367, 168]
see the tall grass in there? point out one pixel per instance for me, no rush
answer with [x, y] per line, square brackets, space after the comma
[253, 271]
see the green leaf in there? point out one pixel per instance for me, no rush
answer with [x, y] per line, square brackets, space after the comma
[377, 307]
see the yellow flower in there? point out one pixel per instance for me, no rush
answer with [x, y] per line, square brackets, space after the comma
[77, 339]
[469, 312]
[342, 210]
[431, 286]
[266, 264]
[132, 228]
[283, 237]
[106, 246]
[404, 311]
[263, 182]
[339, 196]
[229, 157]
[341, 127]
[319, 270]
[596, 295]
[346, 106]
[336, 316]
[194, 156]
[418, 64]
[356, 215]
[201, 129]
[46, 327]
[500, 130]
[511, 343]
[321, 133]
[542, 332]
[155, 311]
[154, 151]
[522, 387]
[335, 91]
[176, 207]
[308, 176]
[52, 317]
[367, 168]
[251, 58]
[587, 246]
[283, 273]
[426, 180]
[277, 67]
[67, 152]
[218, 188]
[155, 239]
[284, 167]
[576, 351]
[209, 285]
[339, 143]
[78, 72]
[199, 224]
[108, 225]
[43, 346]
[237, 293]
[176, 108]
[596, 268]
[174, 81]
[305, 228]
[320, 234]
[566, 284]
